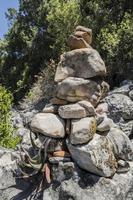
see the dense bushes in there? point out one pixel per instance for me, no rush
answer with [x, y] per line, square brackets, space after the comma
[6, 128]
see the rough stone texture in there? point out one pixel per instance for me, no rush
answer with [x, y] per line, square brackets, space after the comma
[105, 125]
[83, 63]
[81, 34]
[82, 130]
[92, 187]
[72, 111]
[76, 43]
[11, 187]
[50, 108]
[131, 94]
[75, 89]
[123, 148]
[96, 156]
[7, 166]
[120, 107]
[57, 101]
[88, 107]
[102, 108]
[48, 124]
[127, 128]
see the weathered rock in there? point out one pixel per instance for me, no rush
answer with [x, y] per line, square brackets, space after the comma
[127, 128]
[123, 166]
[86, 36]
[95, 156]
[105, 125]
[102, 108]
[56, 160]
[125, 89]
[122, 146]
[82, 130]
[72, 111]
[92, 187]
[83, 63]
[131, 95]
[75, 89]
[120, 106]
[84, 29]
[10, 186]
[7, 166]
[48, 124]
[88, 107]
[57, 101]
[76, 43]
[63, 171]
[50, 108]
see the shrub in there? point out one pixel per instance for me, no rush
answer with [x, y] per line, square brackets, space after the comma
[6, 127]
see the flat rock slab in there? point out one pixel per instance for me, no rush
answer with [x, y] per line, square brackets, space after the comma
[96, 156]
[83, 63]
[123, 148]
[48, 124]
[72, 111]
[82, 130]
[76, 89]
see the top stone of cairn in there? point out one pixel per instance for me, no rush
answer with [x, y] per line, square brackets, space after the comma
[82, 61]
[81, 38]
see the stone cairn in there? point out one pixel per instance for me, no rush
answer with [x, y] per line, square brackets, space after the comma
[75, 121]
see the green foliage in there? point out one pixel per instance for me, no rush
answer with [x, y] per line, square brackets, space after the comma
[112, 27]
[62, 17]
[40, 29]
[6, 128]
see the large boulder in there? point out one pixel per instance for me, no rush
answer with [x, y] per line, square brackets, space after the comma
[123, 148]
[83, 63]
[96, 156]
[92, 187]
[82, 130]
[120, 107]
[48, 124]
[75, 89]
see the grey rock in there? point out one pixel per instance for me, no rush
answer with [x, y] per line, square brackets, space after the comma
[96, 156]
[72, 111]
[75, 89]
[125, 89]
[102, 108]
[82, 130]
[127, 127]
[122, 145]
[56, 160]
[83, 63]
[120, 106]
[105, 124]
[131, 94]
[48, 124]
[16, 119]
[88, 107]
[63, 171]
[92, 187]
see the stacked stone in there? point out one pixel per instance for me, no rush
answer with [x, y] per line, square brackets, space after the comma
[77, 115]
